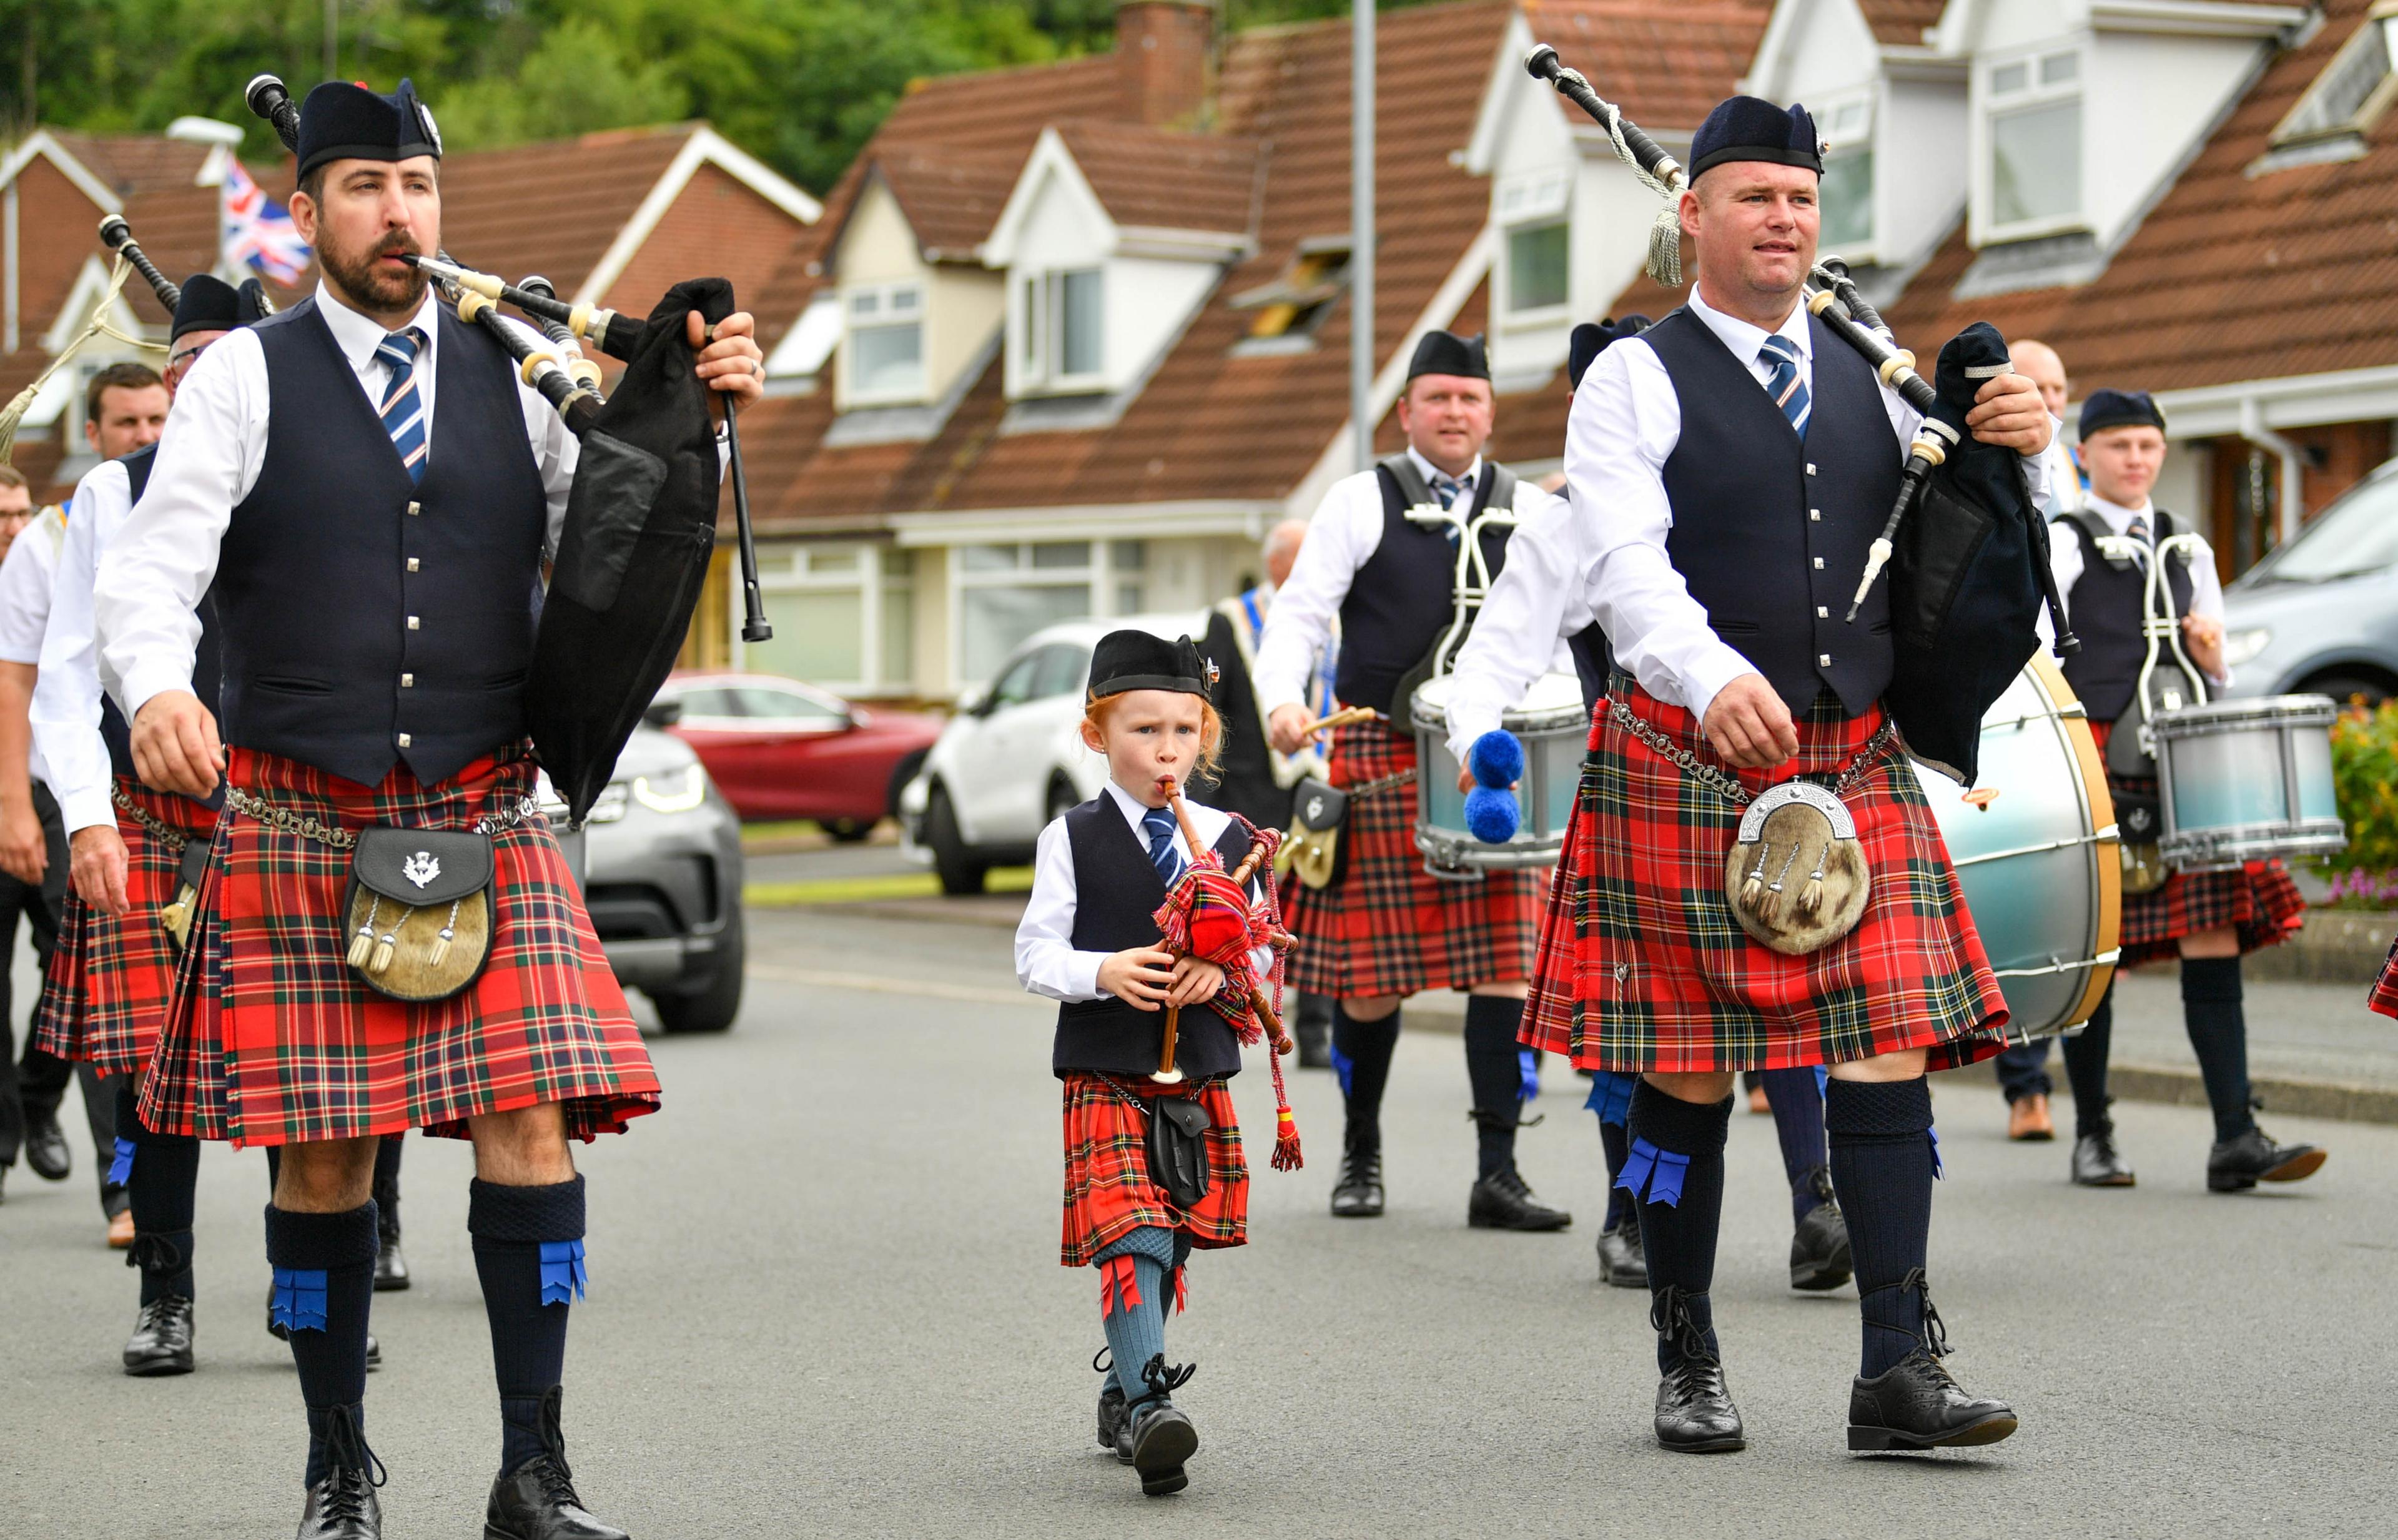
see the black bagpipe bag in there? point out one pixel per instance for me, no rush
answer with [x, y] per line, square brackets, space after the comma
[1964, 576]
[640, 523]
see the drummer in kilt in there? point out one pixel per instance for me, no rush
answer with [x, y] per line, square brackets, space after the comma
[2102, 553]
[1384, 927]
[372, 493]
[1727, 468]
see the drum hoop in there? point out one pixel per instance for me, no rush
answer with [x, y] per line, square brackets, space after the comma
[2098, 814]
[2272, 713]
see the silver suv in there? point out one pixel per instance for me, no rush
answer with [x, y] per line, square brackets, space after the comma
[2320, 614]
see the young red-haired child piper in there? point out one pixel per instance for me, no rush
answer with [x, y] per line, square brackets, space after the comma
[1089, 940]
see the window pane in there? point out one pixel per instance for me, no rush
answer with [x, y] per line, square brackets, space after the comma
[1129, 556]
[785, 705]
[2007, 79]
[898, 636]
[1064, 670]
[898, 562]
[2058, 68]
[990, 558]
[709, 703]
[1014, 687]
[995, 619]
[866, 303]
[818, 637]
[904, 300]
[1128, 598]
[886, 358]
[1535, 267]
[1847, 196]
[2036, 164]
[2343, 88]
[1062, 553]
[1078, 322]
[838, 560]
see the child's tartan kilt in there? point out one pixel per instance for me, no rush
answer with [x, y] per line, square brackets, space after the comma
[1643, 965]
[2384, 997]
[270, 1039]
[1388, 926]
[1108, 1191]
[2260, 901]
[107, 991]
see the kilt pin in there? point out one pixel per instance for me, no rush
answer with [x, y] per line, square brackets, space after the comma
[1386, 925]
[1109, 1193]
[1644, 967]
[270, 1038]
[2259, 900]
[106, 990]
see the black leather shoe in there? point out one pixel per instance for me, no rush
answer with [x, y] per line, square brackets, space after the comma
[1314, 1044]
[1158, 1432]
[537, 1500]
[46, 1151]
[342, 1505]
[1112, 1401]
[2098, 1164]
[1919, 1405]
[161, 1342]
[1623, 1263]
[1502, 1201]
[1358, 1193]
[1819, 1248]
[374, 1354]
[391, 1268]
[1695, 1414]
[2239, 1164]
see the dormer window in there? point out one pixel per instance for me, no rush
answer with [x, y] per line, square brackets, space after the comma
[1059, 337]
[2034, 107]
[885, 351]
[2353, 89]
[1847, 195]
[1531, 210]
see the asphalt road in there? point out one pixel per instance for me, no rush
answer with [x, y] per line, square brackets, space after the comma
[825, 1303]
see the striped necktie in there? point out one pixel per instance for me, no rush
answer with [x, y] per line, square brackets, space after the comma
[1449, 489]
[403, 406]
[2139, 529]
[1158, 825]
[1788, 387]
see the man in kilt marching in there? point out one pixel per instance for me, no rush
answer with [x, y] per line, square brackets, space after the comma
[372, 494]
[1384, 928]
[1727, 468]
[2102, 553]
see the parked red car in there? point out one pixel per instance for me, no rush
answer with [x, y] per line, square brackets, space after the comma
[779, 749]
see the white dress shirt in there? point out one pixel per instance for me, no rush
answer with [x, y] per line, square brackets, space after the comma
[66, 694]
[1625, 422]
[1046, 962]
[1538, 598]
[153, 573]
[2065, 560]
[26, 579]
[1344, 534]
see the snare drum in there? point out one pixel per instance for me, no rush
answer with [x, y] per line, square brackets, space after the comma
[1554, 730]
[2035, 849]
[2243, 780]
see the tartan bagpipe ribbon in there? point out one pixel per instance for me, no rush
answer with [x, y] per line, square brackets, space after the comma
[1208, 914]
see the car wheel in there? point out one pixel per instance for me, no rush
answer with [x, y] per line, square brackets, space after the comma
[1061, 800]
[2344, 687]
[909, 767]
[712, 1004]
[959, 872]
[847, 830]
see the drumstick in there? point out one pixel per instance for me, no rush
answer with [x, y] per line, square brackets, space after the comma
[1348, 716]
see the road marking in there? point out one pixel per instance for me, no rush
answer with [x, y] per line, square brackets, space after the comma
[890, 885]
[876, 983]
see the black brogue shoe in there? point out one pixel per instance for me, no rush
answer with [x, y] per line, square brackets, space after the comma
[161, 1342]
[1695, 1414]
[2236, 1164]
[537, 1500]
[1819, 1247]
[1503, 1201]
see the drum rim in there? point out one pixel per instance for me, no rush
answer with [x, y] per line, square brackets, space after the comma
[1545, 722]
[2253, 713]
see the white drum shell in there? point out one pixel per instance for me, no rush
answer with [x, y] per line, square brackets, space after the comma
[2247, 780]
[1554, 730]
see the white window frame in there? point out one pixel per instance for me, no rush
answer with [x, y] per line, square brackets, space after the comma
[1861, 139]
[1113, 562]
[884, 297]
[1524, 202]
[2292, 130]
[2032, 93]
[1039, 338]
[869, 579]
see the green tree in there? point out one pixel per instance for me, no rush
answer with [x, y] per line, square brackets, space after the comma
[576, 81]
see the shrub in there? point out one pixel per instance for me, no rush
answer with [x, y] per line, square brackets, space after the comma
[2365, 770]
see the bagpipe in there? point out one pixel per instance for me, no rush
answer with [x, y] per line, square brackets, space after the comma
[640, 518]
[1970, 570]
[1208, 914]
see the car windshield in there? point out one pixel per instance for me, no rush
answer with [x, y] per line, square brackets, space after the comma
[787, 705]
[2356, 534]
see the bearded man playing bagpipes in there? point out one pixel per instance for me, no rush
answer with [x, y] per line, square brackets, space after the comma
[386, 935]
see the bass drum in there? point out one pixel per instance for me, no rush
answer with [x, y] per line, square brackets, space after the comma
[2036, 849]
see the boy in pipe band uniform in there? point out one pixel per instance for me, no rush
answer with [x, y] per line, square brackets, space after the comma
[1089, 941]
[1728, 469]
[1385, 928]
[2102, 554]
[376, 560]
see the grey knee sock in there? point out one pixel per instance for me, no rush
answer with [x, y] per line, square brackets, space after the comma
[1137, 1332]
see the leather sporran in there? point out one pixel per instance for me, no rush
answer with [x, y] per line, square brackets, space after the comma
[1797, 878]
[420, 911]
[1178, 1148]
[2139, 820]
[1313, 850]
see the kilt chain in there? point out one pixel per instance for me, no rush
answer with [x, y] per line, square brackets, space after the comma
[165, 834]
[1726, 785]
[310, 827]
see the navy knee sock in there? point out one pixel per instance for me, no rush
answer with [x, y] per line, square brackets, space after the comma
[529, 1255]
[159, 1187]
[1675, 1169]
[2085, 1069]
[1361, 1057]
[324, 1280]
[386, 1182]
[1796, 1096]
[1495, 1068]
[2219, 1034]
[1136, 1328]
[1882, 1166]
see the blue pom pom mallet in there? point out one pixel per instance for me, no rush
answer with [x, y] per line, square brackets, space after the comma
[1497, 760]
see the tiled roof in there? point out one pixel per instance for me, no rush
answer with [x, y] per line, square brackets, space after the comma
[1174, 181]
[1902, 20]
[951, 194]
[2232, 277]
[135, 163]
[1665, 64]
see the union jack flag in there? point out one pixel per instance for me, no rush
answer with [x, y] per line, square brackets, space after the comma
[259, 231]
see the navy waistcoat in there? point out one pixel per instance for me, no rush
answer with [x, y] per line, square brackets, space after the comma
[2106, 608]
[1403, 598]
[1116, 891]
[338, 653]
[1771, 533]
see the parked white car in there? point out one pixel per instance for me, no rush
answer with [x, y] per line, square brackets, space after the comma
[1012, 759]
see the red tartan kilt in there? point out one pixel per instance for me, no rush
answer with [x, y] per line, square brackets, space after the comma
[1388, 926]
[1643, 966]
[125, 965]
[60, 1019]
[1108, 1191]
[270, 1038]
[2384, 997]
[2260, 901]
